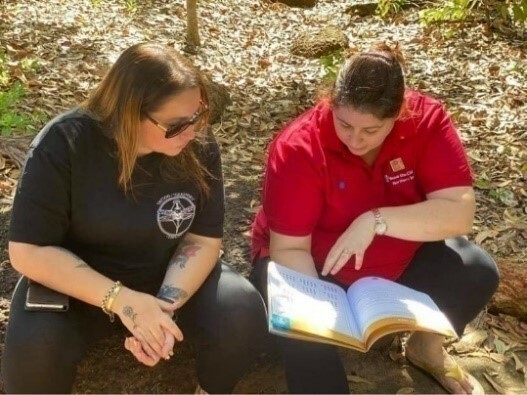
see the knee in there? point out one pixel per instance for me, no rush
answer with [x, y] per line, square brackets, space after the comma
[39, 337]
[241, 318]
[483, 271]
[489, 272]
[48, 353]
[244, 312]
[229, 310]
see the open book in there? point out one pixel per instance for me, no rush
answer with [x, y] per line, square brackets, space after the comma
[308, 308]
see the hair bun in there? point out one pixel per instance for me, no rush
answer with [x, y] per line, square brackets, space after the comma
[393, 52]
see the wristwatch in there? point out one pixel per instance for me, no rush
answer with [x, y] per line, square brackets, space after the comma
[380, 227]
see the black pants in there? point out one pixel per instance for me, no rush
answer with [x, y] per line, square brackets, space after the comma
[459, 276]
[225, 318]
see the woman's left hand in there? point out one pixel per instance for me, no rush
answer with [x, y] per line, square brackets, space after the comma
[354, 241]
[144, 353]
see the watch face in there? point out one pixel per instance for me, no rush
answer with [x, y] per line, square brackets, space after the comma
[380, 228]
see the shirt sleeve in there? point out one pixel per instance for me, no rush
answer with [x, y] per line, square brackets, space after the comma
[442, 160]
[41, 208]
[293, 189]
[210, 213]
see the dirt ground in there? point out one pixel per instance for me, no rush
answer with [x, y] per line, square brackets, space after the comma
[245, 46]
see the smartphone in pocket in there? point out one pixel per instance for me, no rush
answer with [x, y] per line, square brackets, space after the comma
[41, 298]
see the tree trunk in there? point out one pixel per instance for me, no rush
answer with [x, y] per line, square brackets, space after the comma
[511, 296]
[192, 23]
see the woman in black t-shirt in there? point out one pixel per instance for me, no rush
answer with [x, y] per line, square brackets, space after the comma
[120, 206]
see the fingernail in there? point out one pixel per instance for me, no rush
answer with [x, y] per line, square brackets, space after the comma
[167, 357]
[171, 353]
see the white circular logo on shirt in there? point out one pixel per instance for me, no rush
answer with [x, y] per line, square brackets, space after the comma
[175, 214]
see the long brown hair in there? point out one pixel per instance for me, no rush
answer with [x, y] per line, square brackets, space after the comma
[372, 82]
[142, 79]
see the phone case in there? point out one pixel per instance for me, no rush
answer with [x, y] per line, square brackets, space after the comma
[41, 298]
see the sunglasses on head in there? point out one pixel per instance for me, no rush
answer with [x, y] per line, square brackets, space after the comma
[178, 127]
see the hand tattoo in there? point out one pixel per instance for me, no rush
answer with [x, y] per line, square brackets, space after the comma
[168, 291]
[128, 311]
[184, 252]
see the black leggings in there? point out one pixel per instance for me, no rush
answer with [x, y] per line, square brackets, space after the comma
[225, 318]
[459, 276]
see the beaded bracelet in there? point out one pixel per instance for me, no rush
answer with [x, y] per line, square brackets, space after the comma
[108, 299]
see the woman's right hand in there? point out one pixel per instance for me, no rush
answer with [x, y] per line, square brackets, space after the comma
[147, 318]
[354, 241]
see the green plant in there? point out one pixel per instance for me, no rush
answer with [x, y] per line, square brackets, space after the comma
[504, 195]
[12, 121]
[12, 92]
[519, 11]
[131, 6]
[9, 119]
[461, 10]
[329, 65]
[29, 65]
[483, 183]
[451, 11]
[11, 96]
[390, 7]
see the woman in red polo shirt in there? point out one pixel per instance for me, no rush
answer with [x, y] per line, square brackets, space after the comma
[374, 180]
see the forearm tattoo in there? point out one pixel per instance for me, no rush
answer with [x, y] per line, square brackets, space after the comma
[172, 293]
[183, 253]
[80, 263]
[129, 312]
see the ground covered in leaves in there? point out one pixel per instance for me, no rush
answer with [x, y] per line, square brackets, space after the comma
[246, 47]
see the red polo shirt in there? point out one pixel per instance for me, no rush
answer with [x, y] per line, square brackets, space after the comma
[314, 185]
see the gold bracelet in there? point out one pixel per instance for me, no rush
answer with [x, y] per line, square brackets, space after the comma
[108, 299]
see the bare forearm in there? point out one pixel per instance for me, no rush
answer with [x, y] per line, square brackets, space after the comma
[190, 265]
[61, 270]
[293, 252]
[431, 220]
[298, 260]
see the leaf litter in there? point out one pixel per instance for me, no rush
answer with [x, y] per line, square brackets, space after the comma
[246, 47]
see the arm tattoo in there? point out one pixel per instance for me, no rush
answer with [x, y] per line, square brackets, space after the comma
[183, 253]
[80, 263]
[168, 291]
[129, 312]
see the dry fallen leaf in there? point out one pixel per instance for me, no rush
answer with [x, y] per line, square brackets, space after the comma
[481, 79]
[499, 389]
[406, 390]
[357, 379]
[471, 341]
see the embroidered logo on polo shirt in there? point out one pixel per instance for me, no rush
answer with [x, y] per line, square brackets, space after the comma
[400, 178]
[175, 214]
[397, 165]
[399, 173]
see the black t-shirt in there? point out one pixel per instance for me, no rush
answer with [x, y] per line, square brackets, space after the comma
[68, 196]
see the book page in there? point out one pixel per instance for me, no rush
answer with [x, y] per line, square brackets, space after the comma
[373, 299]
[311, 304]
